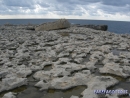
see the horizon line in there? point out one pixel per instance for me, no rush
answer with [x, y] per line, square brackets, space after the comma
[69, 19]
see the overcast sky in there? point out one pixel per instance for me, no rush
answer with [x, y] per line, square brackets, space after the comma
[70, 9]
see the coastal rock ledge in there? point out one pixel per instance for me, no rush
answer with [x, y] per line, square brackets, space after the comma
[63, 63]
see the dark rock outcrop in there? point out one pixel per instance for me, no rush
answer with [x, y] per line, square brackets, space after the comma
[30, 28]
[96, 27]
[59, 24]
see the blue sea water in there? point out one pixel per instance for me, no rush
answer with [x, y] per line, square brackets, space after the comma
[119, 27]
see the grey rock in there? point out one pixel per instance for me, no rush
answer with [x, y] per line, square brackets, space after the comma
[96, 27]
[74, 96]
[118, 92]
[30, 28]
[96, 55]
[110, 57]
[63, 54]
[11, 83]
[23, 71]
[3, 73]
[125, 55]
[62, 61]
[116, 69]
[9, 95]
[78, 60]
[91, 64]
[123, 46]
[98, 83]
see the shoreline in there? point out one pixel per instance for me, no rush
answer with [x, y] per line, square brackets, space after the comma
[113, 26]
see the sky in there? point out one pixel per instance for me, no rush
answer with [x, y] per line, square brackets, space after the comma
[71, 9]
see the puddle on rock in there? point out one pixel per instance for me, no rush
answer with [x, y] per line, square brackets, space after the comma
[124, 96]
[96, 72]
[122, 82]
[114, 76]
[117, 52]
[76, 91]
[98, 65]
[31, 82]
[64, 34]
[77, 71]
[31, 92]
[123, 85]
[86, 59]
[16, 90]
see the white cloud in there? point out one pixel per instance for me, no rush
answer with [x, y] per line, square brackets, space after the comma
[51, 15]
[74, 9]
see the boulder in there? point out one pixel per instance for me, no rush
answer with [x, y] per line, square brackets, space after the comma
[30, 28]
[59, 24]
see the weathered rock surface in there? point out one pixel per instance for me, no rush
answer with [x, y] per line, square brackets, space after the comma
[59, 24]
[62, 59]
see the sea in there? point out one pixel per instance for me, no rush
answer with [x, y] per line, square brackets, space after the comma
[119, 27]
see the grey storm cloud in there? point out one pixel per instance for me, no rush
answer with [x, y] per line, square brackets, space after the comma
[116, 2]
[105, 2]
[64, 7]
[107, 5]
[78, 1]
[12, 7]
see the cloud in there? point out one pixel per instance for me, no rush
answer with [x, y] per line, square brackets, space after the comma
[22, 3]
[116, 2]
[82, 9]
